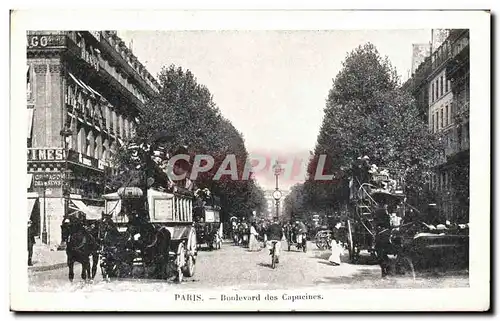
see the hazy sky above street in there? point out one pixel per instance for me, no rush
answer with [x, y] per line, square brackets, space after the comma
[272, 85]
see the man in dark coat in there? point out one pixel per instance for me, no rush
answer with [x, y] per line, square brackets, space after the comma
[275, 233]
[31, 242]
[432, 214]
[382, 222]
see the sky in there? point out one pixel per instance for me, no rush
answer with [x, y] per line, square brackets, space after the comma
[272, 85]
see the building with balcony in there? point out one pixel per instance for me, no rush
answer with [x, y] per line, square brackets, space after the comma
[440, 86]
[85, 92]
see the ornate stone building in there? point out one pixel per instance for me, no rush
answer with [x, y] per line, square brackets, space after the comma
[440, 86]
[85, 92]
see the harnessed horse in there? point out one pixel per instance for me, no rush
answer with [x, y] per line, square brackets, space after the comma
[81, 243]
[120, 249]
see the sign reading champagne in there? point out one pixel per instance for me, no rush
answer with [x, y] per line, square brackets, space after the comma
[48, 179]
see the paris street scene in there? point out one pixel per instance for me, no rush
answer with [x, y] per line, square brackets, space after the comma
[252, 160]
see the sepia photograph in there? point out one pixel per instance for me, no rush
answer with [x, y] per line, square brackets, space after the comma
[227, 168]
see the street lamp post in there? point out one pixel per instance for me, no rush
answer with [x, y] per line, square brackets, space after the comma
[66, 133]
[44, 180]
[277, 193]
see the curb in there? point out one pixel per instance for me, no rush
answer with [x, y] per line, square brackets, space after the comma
[47, 267]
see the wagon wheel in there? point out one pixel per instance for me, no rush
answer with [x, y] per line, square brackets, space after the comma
[404, 266]
[180, 261]
[189, 268]
[320, 243]
[350, 242]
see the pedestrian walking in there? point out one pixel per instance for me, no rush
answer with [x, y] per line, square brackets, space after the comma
[31, 242]
[253, 244]
[335, 245]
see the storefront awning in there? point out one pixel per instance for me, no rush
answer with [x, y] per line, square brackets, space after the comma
[31, 204]
[84, 85]
[29, 181]
[30, 121]
[78, 205]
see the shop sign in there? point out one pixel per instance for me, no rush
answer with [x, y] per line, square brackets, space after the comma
[45, 41]
[47, 179]
[85, 160]
[101, 164]
[45, 154]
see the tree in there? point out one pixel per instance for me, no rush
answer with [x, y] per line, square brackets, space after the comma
[185, 111]
[367, 113]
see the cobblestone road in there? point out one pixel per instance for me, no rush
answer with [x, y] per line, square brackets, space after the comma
[235, 268]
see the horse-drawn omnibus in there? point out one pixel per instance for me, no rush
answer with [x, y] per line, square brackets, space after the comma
[149, 222]
[207, 220]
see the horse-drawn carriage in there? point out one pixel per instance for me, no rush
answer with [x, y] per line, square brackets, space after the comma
[377, 224]
[148, 222]
[207, 222]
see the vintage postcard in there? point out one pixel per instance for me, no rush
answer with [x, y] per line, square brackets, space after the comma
[250, 160]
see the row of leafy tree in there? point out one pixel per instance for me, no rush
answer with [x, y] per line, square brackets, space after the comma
[367, 113]
[187, 113]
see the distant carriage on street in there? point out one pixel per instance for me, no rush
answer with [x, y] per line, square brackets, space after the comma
[208, 223]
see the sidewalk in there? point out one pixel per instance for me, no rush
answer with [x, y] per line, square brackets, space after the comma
[47, 258]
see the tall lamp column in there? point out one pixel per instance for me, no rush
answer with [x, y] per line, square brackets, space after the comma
[277, 193]
[66, 134]
[44, 180]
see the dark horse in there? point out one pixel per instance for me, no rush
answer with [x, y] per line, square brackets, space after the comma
[81, 243]
[140, 240]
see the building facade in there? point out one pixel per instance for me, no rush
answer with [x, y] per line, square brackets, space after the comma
[85, 92]
[440, 86]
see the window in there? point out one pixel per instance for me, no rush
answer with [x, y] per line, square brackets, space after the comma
[431, 122]
[442, 118]
[441, 85]
[82, 139]
[446, 86]
[28, 82]
[437, 120]
[432, 92]
[90, 144]
[437, 88]
[446, 115]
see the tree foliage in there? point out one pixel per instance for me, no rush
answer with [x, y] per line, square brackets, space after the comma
[367, 113]
[186, 112]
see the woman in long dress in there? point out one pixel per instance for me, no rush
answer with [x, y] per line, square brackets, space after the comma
[253, 244]
[336, 247]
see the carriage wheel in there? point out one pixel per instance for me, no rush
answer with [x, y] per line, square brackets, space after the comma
[404, 266]
[189, 267]
[180, 261]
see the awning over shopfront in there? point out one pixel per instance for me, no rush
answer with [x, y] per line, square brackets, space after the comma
[79, 206]
[30, 121]
[32, 198]
[84, 85]
[29, 181]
